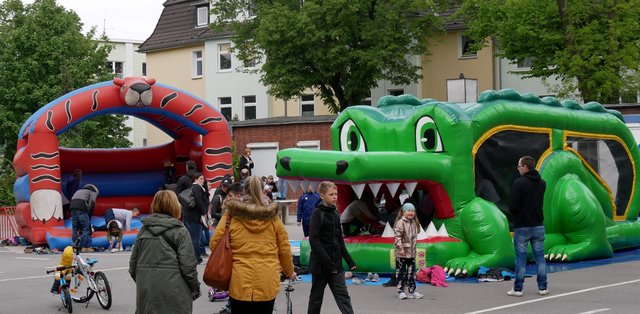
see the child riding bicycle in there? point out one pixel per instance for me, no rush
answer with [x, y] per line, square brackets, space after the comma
[65, 264]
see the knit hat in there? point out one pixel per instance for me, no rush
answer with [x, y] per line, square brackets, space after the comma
[408, 207]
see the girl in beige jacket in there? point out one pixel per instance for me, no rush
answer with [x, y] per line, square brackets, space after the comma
[406, 232]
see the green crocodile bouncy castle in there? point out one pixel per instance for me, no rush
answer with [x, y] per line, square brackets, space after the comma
[440, 153]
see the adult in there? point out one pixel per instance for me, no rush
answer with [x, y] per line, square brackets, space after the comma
[73, 184]
[215, 209]
[185, 181]
[162, 263]
[261, 250]
[525, 203]
[169, 172]
[117, 220]
[82, 204]
[307, 203]
[245, 161]
[191, 216]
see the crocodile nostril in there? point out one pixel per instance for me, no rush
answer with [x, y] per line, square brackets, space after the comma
[341, 167]
[284, 162]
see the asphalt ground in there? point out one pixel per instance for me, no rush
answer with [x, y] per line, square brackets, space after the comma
[607, 288]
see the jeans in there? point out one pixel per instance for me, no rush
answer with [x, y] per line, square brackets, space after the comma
[338, 288]
[204, 239]
[80, 228]
[521, 239]
[195, 231]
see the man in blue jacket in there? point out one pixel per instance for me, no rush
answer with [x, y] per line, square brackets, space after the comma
[306, 204]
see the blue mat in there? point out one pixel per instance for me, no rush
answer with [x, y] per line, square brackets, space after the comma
[618, 257]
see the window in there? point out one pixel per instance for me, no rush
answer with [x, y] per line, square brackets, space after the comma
[524, 64]
[465, 47]
[224, 57]
[116, 67]
[306, 105]
[249, 103]
[196, 66]
[225, 107]
[250, 63]
[202, 16]
[629, 97]
[144, 69]
[395, 92]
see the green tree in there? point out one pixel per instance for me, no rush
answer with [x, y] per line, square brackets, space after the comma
[44, 55]
[590, 46]
[340, 48]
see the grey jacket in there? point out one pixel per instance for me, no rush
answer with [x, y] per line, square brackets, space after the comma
[84, 200]
[406, 236]
[163, 265]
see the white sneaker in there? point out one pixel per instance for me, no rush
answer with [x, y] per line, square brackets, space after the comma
[514, 293]
[415, 295]
[402, 296]
[543, 292]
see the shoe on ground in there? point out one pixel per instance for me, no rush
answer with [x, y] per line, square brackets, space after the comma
[225, 311]
[375, 278]
[55, 292]
[87, 250]
[402, 296]
[514, 293]
[369, 277]
[204, 254]
[543, 292]
[415, 295]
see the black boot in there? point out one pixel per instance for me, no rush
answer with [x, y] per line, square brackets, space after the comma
[393, 281]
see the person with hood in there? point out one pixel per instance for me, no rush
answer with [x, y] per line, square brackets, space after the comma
[82, 204]
[162, 263]
[525, 204]
[260, 247]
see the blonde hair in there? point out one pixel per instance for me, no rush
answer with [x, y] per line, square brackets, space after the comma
[325, 186]
[253, 188]
[247, 150]
[416, 221]
[166, 202]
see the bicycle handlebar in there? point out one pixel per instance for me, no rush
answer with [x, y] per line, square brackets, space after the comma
[59, 268]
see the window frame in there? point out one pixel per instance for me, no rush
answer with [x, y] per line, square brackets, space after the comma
[221, 53]
[307, 103]
[462, 40]
[246, 105]
[199, 22]
[112, 66]
[195, 61]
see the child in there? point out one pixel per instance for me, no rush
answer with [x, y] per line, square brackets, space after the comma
[65, 261]
[306, 204]
[406, 231]
[327, 252]
[114, 230]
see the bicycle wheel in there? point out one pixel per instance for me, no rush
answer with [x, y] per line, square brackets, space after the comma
[104, 290]
[66, 299]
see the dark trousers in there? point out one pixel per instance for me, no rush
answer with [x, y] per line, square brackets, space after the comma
[80, 228]
[264, 307]
[195, 231]
[108, 216]
[305, 230]
[204, 239]
[338, 288]
[406, 274]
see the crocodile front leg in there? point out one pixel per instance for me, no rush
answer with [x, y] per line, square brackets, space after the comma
[486, 230]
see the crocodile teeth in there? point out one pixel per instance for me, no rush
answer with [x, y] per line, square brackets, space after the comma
[304, 185]
[410, 186]
[358, 188]
[393, 188]
[294, 185]
[375, 188]
[564, 257]
[314, 185]
[551, 256]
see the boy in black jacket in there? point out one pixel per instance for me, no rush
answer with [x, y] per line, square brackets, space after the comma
[327, 252]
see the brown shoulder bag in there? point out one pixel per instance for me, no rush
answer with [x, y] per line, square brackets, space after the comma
[217, 274]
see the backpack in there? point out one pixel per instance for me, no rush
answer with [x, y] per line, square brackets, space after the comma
[187, 199]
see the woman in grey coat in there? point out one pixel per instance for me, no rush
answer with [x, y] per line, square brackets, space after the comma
[162, 263]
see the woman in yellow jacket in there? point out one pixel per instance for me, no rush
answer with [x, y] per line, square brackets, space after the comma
[261, 250]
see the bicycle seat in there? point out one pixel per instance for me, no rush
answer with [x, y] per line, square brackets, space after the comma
[91, 261]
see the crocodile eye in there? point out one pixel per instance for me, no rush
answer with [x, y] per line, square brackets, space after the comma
[351, 139]
[427, 136]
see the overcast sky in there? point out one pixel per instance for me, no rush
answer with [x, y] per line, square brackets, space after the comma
[121, 19]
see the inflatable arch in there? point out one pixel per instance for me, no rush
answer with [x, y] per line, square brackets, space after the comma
[126, 178]
[442, 153]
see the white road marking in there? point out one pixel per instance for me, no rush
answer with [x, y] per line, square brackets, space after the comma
[34, 258]
[46, 276]
[553, 297]
[596, 311]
